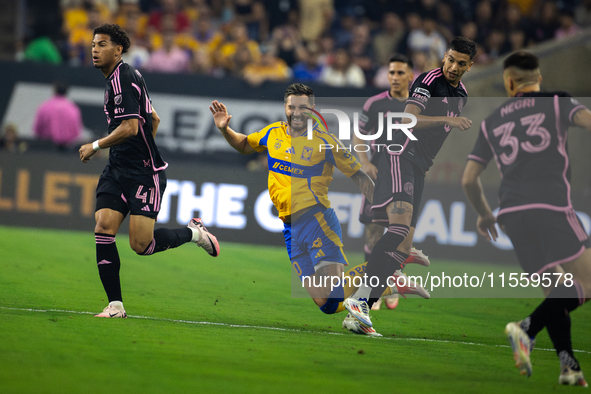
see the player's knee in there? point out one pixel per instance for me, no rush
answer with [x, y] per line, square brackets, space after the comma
[139, 246]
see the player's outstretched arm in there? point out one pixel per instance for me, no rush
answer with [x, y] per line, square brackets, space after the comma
[127, 129]
[221, 118]
[366, 164]
[583, 118]
[365, 184]
[424, 121]
[473, 189]
[155, 122]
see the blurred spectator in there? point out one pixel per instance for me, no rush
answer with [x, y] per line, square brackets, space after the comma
[9, 140]
[195, 9]
[315, 17]
[469, 30]
[548, 23]
[288, 40]
[170, 8]
[568, 27]
[516, 40]
[58, 120]
[131, 17]
[309, 69]
[170, 58]
[78, 48]
[515, 20]
[343, 72]
[378, 10]
[268, 68]
[327, 46]
[445, 21]
[484, 20]
[361, 50]
[496, 44]
[242, 58]
[428, 38]
[423, 61]
[201, 63]
[239, 38]
[278, 12]
[414, 23]
[138, 54]
[342, 30]
[42, 48]
[481, 57]
[388, 38]
[583, 13]
[252, 13]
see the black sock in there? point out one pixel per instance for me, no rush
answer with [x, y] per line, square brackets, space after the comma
[559, 303]
[107, 259]
[559, 332]
[385, 259]
[165, 238]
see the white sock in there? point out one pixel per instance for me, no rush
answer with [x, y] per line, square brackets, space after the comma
[196, 234]
[362, 292]
[117, 304]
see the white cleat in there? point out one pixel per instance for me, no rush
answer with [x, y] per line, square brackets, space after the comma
[204, 238]
[403, 285]
[569, 377]
[353, 325]
[417, 257]
[114, 309]
[358, 309]
[521, 345]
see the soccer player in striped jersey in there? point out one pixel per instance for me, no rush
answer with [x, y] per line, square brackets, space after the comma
[300, 171]
[400, 76]
[527, 137]
[134, 179]
[436, 100]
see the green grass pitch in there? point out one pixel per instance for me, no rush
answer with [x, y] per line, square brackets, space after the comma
[229, 325]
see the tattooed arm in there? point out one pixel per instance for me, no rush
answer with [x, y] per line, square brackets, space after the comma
[365, 184]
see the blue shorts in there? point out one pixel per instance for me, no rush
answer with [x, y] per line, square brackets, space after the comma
[314, 237]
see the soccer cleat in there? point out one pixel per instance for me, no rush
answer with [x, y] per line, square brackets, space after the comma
[567, 376]
[417, 257]
[206, 239]
[392, 301]
[377, 305]
[353, 325]
[521, 345]
[114, 309]
[358, 309]
[403, 285]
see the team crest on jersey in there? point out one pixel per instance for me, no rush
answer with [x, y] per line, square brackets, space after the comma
[118, 99]
[277, 144]
[307, 153]
[106, 97]
[408, 188]
[460, 105]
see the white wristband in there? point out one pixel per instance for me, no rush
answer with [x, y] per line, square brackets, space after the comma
[95, 145]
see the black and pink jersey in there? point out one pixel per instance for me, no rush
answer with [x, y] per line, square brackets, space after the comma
[369, 121]
[436, 97]
[126, 97]
[527, 137]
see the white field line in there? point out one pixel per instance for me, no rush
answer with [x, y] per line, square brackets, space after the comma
[275, 328]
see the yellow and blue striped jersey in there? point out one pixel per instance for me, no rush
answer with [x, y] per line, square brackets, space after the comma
[301, 169]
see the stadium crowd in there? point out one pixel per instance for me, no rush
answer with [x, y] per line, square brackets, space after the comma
[335, 42]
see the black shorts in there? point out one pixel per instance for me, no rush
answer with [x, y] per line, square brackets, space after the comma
[398, 180]
[543, 238]
[136, 193]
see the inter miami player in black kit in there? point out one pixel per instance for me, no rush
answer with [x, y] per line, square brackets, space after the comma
[134, 179]
[527, 138]
[400, 76]
[436, 99]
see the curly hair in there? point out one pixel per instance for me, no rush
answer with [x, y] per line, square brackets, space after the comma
[117, 34]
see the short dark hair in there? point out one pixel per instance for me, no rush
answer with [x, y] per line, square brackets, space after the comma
[463, 45]
[401, 59]
[522, 60]
[299, 89]
[60, 88]
[117, 34]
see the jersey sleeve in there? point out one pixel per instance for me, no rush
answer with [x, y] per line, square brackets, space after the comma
[127, 93]
[569, 107]
[341, 158]
[258, 140]
[481, 152]
[366, 122]
[420, 93]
